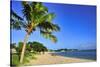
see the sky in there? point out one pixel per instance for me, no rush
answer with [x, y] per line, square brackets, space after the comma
[77, 24]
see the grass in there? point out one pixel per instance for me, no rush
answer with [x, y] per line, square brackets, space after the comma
[27, 58]
[14, 60]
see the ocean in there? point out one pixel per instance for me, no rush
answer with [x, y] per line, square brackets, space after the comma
[91, 55]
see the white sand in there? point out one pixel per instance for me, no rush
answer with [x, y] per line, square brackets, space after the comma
[49, 59]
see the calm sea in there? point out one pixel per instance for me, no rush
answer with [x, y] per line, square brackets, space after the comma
[79, 54]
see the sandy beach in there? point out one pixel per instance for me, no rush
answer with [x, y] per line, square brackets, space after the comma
[49, 59]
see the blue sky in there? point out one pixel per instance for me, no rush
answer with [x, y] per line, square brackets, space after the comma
[77, 23]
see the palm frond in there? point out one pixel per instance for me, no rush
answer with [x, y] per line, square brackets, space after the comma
[15, 25]
[39, 7]
[55, 27]
[14, 15]
[49, 35]
[15, 21]
[49, 17]
[47, 26]
[27, 10]
[46, 17]
[53, 38]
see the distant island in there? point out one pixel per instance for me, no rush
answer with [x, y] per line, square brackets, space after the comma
[65, 50]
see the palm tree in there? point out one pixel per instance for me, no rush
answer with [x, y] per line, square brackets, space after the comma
[35, 16]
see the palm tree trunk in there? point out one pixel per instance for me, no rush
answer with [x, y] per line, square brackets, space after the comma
[23, 48]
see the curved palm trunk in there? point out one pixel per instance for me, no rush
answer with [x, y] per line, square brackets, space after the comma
[23, 48]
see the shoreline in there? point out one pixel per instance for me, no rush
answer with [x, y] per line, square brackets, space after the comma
[72, 57]
[47, 58]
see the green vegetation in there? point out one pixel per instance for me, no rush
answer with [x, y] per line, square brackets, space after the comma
[36, 17]
[32, 48]
[14, 60]
[13, 45]
[60, 50]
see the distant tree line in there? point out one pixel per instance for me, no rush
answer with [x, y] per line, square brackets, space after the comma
[62, 50]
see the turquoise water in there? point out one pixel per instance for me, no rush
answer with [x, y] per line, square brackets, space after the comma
[79, 54]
